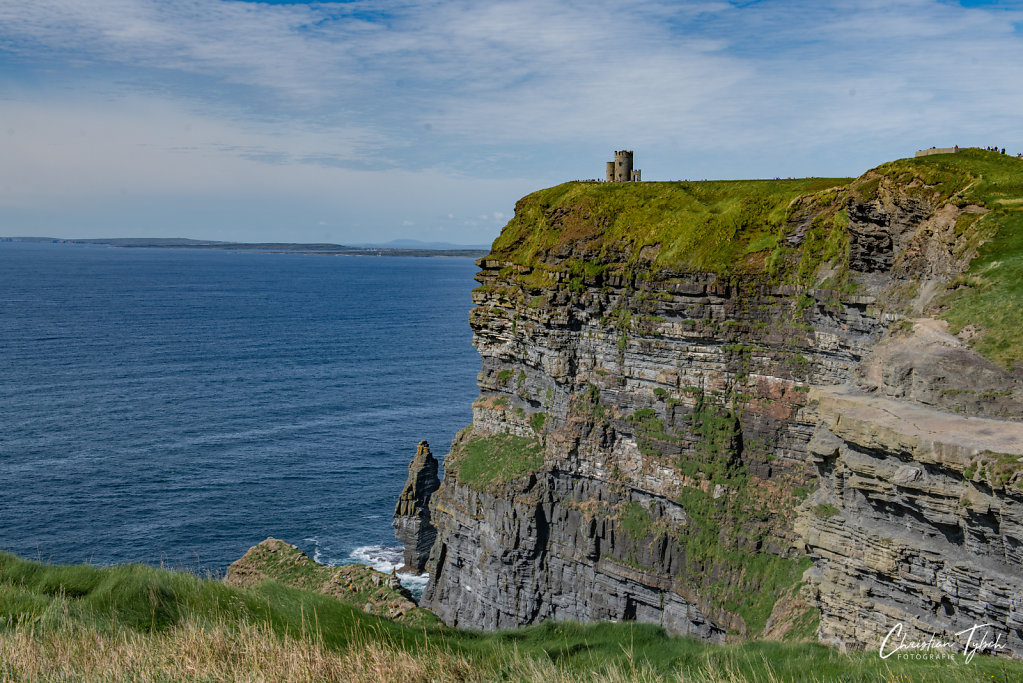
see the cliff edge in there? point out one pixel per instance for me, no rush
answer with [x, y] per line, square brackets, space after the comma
[749, 408]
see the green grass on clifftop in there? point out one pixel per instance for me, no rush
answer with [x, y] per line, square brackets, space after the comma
[699, 226]
[136, 623]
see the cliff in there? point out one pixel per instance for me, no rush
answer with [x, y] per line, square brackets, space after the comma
[742, 408]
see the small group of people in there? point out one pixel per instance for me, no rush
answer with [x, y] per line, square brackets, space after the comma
[995, 149]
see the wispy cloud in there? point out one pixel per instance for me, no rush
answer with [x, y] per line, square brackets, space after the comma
[268, 46]
[538, 71]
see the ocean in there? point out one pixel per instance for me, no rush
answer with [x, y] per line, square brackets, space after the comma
[175, 407]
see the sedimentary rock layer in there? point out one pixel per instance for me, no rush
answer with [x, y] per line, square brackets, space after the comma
[917, 522]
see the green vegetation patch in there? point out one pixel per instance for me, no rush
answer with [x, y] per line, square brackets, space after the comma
[649, 430]
[729, 519]
[722, 538]
[997, 469]
[60, 623]
[484, 461]
[715, 456]
[805, 626]
[636, 521]
[587, 403]
[719, 544]
[825, 510]
[989, 296]
[701, 226]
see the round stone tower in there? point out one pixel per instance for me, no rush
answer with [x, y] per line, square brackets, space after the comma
[623, 166]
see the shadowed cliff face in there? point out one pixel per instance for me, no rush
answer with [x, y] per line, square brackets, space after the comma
[674, 425]
[647, 440]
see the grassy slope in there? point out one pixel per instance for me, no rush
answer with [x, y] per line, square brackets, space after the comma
[990, 295]
[705, 226]
[136, 622]
[487, 461]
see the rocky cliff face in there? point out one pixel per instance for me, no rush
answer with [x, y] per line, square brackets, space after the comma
[678, 436]
[412, 525]
[916, 522]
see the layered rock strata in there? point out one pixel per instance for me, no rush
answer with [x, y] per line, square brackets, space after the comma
[917, 524]
[670, 452]
[412, 525]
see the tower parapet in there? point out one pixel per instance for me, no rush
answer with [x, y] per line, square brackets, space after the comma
[620, 170]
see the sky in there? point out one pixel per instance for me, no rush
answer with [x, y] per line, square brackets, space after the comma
[367, 121]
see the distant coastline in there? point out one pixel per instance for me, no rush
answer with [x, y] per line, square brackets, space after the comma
[266, 247]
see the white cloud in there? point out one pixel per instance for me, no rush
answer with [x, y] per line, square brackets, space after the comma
[542, 72]
[254, 44]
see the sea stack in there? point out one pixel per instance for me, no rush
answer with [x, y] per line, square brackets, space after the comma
[412, 525]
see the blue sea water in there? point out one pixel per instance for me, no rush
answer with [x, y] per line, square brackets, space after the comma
[176, 407]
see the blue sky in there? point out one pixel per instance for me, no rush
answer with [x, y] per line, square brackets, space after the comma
[370, 121]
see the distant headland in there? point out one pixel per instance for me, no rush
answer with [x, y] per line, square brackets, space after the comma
[407, 248]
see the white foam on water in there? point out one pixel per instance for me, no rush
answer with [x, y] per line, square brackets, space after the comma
[316, 550]
[415, 583]
[385, 558]
[323, 554]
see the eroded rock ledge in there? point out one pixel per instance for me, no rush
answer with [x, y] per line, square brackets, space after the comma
[917, 521]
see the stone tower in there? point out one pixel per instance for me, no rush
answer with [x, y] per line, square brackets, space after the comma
[620, 170]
